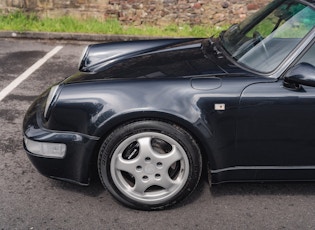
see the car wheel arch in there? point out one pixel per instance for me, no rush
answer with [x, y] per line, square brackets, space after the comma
[108, 127]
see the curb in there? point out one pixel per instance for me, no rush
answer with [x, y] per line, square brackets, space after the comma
[73, 36]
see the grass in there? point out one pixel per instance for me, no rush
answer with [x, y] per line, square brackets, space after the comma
[21, 22]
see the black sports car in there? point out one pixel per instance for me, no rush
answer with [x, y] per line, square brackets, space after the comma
[152, 115]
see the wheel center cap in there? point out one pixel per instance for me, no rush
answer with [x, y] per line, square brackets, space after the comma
[150, 169]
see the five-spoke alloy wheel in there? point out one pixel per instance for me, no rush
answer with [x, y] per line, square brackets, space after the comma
[149, 164]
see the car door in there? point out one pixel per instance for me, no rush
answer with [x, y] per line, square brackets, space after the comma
[276, 125]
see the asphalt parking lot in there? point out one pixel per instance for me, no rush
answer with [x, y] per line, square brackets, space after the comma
[29, 200]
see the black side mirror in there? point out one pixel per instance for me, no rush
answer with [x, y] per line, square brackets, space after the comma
[301, 74]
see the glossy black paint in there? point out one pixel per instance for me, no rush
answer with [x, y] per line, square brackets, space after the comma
[74, 167]
[303, 73]
[265, 131]
[100, 56]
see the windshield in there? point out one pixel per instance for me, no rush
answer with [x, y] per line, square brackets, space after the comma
[265, 39]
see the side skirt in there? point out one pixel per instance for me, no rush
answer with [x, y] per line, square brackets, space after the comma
[263, 173]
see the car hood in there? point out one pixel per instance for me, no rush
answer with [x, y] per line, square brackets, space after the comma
[151, 59]
[98, 55]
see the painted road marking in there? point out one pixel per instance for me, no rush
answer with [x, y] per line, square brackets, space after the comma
[28, 72]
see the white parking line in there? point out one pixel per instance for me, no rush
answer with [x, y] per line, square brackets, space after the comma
[28, 72]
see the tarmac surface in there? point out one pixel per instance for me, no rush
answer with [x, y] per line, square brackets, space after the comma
[29, 200]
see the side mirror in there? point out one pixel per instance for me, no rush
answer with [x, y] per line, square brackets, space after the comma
[301, 74]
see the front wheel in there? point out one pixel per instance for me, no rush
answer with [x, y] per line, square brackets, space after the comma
[149, 164]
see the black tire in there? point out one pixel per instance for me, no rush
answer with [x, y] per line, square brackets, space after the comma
[149, 164]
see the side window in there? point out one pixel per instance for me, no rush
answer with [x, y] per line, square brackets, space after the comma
[309, 56]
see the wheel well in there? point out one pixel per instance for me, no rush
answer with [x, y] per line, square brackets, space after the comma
[183, 124]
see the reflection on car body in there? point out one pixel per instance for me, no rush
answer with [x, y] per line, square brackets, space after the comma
[151, 115]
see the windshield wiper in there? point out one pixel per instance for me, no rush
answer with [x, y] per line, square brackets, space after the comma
[210, 46]
[211, 52]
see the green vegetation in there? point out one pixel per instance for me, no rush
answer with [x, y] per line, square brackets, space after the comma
[21, 22]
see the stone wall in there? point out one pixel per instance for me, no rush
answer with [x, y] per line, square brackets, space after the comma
[156, 12]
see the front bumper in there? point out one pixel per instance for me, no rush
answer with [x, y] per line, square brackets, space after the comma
[74, 166]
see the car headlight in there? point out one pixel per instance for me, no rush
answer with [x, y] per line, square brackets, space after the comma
[45, 149]
[50, 99]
